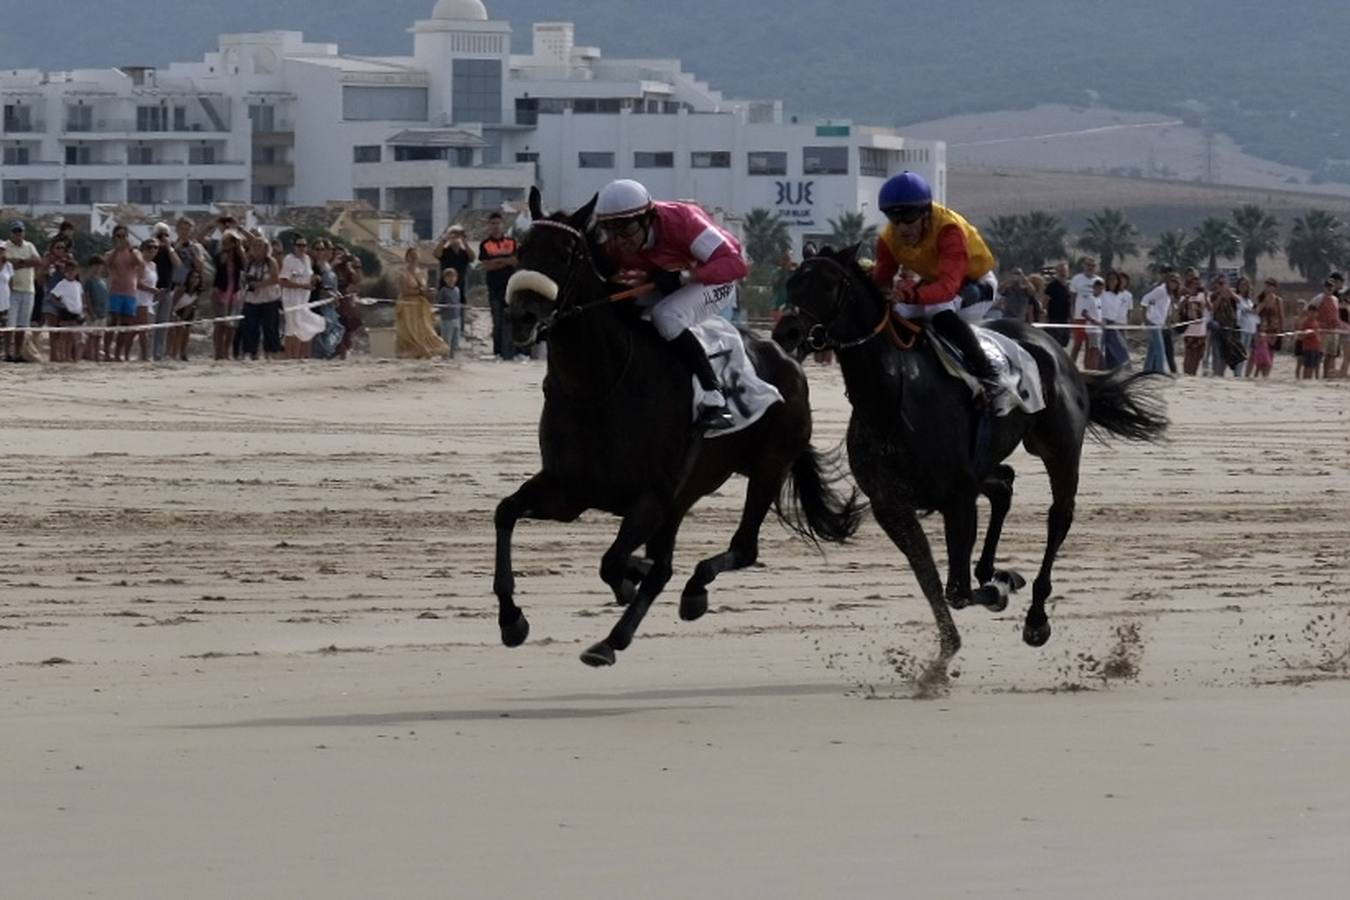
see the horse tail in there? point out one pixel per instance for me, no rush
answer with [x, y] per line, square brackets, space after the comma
[810, 504]
[1127, 406]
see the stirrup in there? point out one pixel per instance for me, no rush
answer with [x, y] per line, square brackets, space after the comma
[714, 418]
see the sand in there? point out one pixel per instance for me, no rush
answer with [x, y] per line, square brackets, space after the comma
[248, 648]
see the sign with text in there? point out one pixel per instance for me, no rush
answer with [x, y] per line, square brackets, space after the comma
[796, 202]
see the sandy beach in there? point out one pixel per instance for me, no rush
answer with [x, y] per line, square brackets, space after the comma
[248, 648]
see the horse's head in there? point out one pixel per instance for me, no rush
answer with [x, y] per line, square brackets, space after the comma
[555, 270]
[827, 302]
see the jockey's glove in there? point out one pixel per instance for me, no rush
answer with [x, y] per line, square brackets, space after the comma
[667, 282]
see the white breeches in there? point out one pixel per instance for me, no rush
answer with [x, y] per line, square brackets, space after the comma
[970, 305]
[688, 306]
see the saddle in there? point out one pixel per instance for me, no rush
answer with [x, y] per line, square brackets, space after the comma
[1015, 368]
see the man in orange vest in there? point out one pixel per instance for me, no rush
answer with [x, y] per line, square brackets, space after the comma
[954, 266]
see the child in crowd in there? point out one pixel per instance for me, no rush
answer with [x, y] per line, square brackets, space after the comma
[1311, 346]
[67, 298]
[185, 298]
[451, 308]
[95, 305]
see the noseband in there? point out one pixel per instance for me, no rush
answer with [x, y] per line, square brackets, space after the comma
[578, 261]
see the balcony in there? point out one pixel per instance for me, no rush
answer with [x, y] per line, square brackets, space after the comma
[25, 126]
[275, 174]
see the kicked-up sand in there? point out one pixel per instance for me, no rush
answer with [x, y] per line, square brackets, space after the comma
[248, 648]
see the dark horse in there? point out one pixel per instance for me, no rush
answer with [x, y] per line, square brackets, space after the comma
[615, 435]
[916, 443]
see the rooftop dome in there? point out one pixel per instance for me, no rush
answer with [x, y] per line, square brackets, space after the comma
[473, 10]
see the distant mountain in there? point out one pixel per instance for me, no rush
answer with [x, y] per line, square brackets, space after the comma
[1269, 74]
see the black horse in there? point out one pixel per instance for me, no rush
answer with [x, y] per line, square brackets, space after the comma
[916, 443]
[616, 435]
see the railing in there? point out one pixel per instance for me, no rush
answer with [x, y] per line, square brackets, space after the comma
[25, 126]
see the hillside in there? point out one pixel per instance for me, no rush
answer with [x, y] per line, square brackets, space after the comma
[1259, 71]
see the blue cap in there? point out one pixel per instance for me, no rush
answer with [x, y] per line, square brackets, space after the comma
[16, 225]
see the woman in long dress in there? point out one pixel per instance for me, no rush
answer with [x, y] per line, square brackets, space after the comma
[416, 334]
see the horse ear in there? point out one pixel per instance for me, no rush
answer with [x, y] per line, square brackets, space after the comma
[536, 204]
[849, 255]
[581, 219]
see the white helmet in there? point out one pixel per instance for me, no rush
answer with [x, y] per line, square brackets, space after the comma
[622, 199]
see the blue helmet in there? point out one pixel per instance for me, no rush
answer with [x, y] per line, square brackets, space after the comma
[906, 189]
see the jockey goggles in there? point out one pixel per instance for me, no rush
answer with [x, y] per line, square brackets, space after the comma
[905, 215]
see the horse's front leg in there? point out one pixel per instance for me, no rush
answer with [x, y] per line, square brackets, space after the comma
[996, 585]
[646, 523]
[901, 524]
[539, 498]
[961, 522]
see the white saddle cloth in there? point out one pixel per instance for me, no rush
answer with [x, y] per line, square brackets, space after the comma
[1016, 368]
[748, 395]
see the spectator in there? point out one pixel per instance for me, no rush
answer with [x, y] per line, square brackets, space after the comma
[1343, 312]
[262, 302]
[1270, 311]
[451, 308]
[416, 334]
[1059, 304]
[67, 296]
[1037, 285]
[184, 302]
[124, 275]
[96, 307]
[497, 254]
[26, 261]
[147, 293]
[6, 277]
[326, 289]
[169, 266]
[1016, 300]
[1157, 305]
[191, 257]
[1083, 286]
[1225, 338]
[54, 261]
[1311, 347]
[1329, 323]
[1116, 301]
[297, 283]
[1195, 313]
[778, 298]
[1248, 321]
[1090, 312]
[231, 262]
[453, 252]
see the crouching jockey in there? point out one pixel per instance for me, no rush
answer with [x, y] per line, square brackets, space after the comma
[693, 264]
[954, 266]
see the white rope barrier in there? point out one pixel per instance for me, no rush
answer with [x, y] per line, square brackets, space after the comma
[152, 326]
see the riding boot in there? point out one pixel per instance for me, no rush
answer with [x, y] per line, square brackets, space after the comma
[956, 330]
[712, 413]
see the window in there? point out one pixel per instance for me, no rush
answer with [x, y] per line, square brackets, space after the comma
[180, 118]
[79, 193]
[369, 195]
[16, 194]
[140, 192]
[369, 153]
[268, 156]
[138, 156]
[200, 193]
[527, 158]
[16, 156]
[476, 90]
[416, 202]
[267, 194]
[152, 118]
[654, 159]
[79, 118]
[384, 104]
[18, 118]
[420, 154]
[263, 118]
[77, 155]
[203, 156]
[593, 159]
[873, 162]
[527, 111]
[767, 162]
[824, 160]
[713, 159]
[608, 106]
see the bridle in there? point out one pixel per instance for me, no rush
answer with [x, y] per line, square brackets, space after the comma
[818, 336]
[580, 263]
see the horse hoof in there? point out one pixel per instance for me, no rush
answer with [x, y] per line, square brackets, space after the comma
[514, 635]
[1036, 635]
[958, 601]
[992, 597]
[693, 606]
[1014, 581]
[599, 656]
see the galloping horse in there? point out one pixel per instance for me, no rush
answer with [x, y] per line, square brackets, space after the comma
[616, 435]
[916, 442]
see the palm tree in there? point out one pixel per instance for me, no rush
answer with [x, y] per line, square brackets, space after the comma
[1259, 233]
[1108, 235]
[1043, 237]
[766, 237]
[852, 228]
[1172, 251]
[1003, 234]
[1317, 244]
[1214, 237]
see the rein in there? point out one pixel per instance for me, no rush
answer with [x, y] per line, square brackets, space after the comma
[818, 336]
[581, 251]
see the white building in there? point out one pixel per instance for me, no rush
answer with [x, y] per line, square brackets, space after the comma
[461, 123]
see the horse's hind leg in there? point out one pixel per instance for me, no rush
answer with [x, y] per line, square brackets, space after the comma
[1064, 489]
[661, 548]
[902, 526]
[640, 526]
[541, 497]
[995, 586]
[743, 551]
[961, 522]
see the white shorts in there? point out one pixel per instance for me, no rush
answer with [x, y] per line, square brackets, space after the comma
[21, 308]
[690, 305]
[962, 306]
